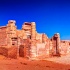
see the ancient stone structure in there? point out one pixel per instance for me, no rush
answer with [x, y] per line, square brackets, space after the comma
[28, 43]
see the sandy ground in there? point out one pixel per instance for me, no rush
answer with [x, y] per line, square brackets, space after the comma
[24, 64]
[62, 60]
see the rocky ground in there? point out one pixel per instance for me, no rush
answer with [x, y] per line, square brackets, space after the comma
[61, 63]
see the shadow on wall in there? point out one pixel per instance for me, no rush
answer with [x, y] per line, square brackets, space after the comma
[4, 51]
[9, 53]
[12, 52]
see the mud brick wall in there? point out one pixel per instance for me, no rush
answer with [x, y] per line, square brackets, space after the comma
[3, 36]
[12, 52]
[24, 49]
[14, 42]
[56, 44]
[33, 41]
[65, 47]
[4, 51]
[41, 49]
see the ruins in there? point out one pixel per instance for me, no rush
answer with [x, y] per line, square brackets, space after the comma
[28, 43]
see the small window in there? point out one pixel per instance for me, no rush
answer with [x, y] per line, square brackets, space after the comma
[69, 43]
[13, 44]
[63, 41]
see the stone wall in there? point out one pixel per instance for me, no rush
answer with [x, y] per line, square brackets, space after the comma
[12, 52]
[3, 36]
[55, 45]
[39, 38]
[29, 43]
[41, 49]
[65, 47]
[11, 33]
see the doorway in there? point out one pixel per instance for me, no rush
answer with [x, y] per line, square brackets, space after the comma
[22, 51]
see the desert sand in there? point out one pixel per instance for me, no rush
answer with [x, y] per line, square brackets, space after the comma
[24, 64]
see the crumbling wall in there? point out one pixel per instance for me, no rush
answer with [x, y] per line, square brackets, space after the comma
[56, 44]
[41, 49]
[12, 52]
[24, 49]
[33, 41]
[3, 36]
[39, 37]
[65, 47]
[8, 52]
[50, 47]
[4, 51]
[26, 27]
[11, 33]
[28, 43]
[42, 46]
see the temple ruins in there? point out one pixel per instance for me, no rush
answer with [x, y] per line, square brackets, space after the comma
[28, 43]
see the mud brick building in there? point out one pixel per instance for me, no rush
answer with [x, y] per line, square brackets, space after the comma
[27, 42]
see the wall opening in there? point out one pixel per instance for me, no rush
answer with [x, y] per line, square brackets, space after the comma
[22, 51]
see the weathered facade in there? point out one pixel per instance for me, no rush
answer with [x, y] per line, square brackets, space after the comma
[27, 42]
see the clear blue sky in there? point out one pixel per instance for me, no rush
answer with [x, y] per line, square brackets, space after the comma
[51, 16]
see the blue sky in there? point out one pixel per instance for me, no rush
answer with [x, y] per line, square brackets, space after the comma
[51, 16]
